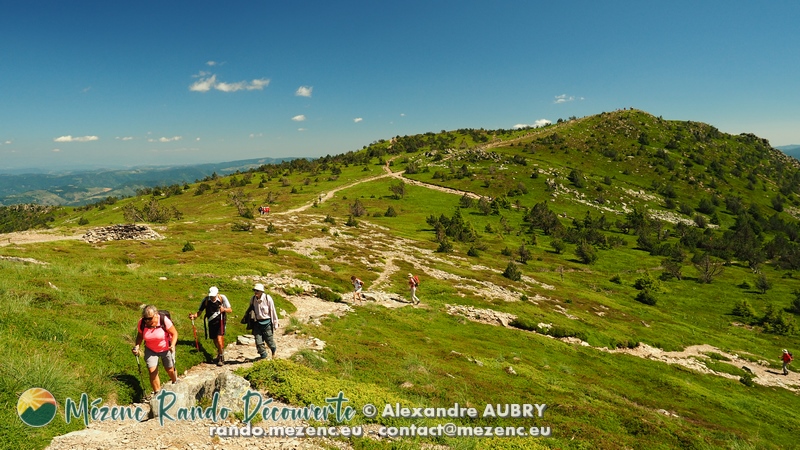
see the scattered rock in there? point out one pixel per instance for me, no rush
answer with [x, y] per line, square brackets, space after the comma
[27, 260]
[487, 316]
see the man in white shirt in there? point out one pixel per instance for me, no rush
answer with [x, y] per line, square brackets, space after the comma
[266, 321]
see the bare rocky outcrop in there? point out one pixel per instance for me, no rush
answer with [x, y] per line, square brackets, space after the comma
[121, 233]
[487, 316]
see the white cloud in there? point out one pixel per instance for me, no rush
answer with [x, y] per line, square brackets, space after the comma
[204, 84]
[211, 63]
[304, 91]
[537, 124]
[258, 84]
[207, 81]
[56, 150]
[166, 139]
[69, 138]
[299, 118]
[256, 135]
[564, 98]
[124, 138]
[402, 114]
[358, 119]
[230, 87]
[301, 129]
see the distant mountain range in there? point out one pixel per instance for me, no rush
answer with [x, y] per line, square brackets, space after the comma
[791, 150]
[73, 188]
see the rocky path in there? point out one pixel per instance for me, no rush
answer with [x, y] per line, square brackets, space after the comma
[196, 434]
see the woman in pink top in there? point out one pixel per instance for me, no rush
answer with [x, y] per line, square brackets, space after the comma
[159, 342]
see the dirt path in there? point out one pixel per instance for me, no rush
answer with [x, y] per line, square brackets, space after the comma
[34, 236]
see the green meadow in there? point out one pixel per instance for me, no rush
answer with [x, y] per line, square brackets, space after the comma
[615, 229]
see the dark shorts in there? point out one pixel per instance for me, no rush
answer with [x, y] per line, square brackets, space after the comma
[216, 327]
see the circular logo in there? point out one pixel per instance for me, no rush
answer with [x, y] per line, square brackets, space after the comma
[36, 407]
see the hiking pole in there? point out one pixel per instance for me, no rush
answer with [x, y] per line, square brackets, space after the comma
[196, 345]
[141, 377]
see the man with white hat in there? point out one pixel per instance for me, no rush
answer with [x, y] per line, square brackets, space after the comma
[216, 306]
[266, 321]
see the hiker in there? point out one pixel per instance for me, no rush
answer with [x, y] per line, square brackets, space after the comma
[357, 285]
[413, 282]
[786, 358]
[216, 307]
[159, 335]
[266, 321]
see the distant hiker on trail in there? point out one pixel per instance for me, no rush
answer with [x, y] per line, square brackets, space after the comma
[413, 283]
[265, 321]
[357, 285]
[216, 307]
[786, 358]
[159, 335]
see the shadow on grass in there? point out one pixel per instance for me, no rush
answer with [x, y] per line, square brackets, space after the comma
[133, 383]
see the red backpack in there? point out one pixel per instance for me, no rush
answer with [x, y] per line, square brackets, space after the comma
[416, 280]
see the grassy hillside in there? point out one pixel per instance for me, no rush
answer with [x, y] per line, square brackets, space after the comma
[613, 229]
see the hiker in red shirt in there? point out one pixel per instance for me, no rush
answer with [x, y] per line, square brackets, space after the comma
[413, 283]
[786, 358]
[159, 343]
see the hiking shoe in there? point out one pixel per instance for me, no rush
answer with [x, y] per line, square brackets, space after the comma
[220, 360]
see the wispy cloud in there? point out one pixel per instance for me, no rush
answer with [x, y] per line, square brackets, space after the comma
[207, 81]
[124, 138]
[56, 150]
[166, 139]
[69, 138]
[358, 119]
[256, 135]
[204, 84]
[537, 124]
[304, 91]
[301, 129]
[299, 118]
[564, 98]
[211, 63]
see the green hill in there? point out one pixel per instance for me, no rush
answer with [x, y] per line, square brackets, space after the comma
[587, 237]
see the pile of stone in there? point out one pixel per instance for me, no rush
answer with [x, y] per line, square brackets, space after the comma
[121, 233]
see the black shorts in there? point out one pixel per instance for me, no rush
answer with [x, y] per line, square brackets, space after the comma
[216, 327]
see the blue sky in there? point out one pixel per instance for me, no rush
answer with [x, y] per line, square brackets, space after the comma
[109, 83]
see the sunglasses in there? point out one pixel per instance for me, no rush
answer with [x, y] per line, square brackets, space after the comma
[148, 319]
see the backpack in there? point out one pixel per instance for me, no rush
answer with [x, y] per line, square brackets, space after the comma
[416, 280]
[161, 313]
